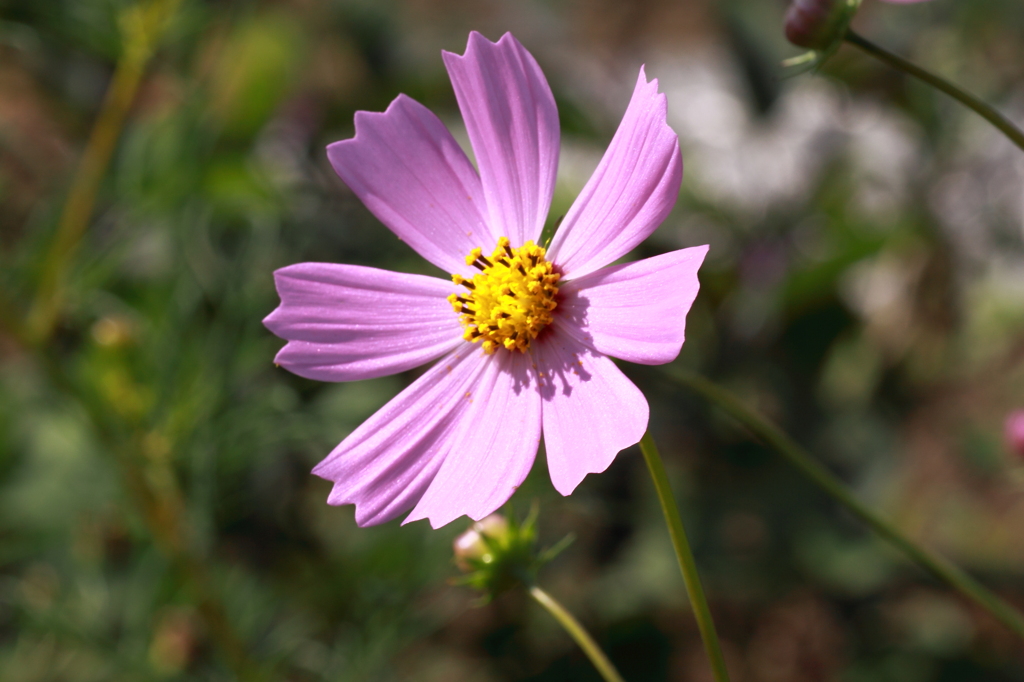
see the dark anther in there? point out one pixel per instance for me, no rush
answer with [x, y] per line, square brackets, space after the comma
[476, 264]
[469, 285]
[508, 250]
[466, 311]
[522, 270]
[486, 262]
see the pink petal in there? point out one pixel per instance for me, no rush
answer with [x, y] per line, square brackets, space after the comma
[386, 464]
[495, 446]
[631, 192]
[636, 311]
[512, 122]
[347, 322]
[409, 171]
[591, 410]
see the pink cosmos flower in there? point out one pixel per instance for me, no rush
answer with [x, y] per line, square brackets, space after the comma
[525, 334]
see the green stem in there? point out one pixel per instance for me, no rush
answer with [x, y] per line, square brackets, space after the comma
[578, 633]
[687, 565]
[142, 27]
[981, 108]
[772, 436]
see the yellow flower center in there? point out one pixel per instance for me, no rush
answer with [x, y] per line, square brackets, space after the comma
[510, 301]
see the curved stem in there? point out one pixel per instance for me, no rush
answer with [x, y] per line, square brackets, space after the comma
[968, 100]
[774, 438]
[578, 633]
[687, 565]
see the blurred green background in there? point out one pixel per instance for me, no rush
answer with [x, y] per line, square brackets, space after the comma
[865, 289]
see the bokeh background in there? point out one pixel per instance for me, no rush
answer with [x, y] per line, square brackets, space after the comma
[864, 289]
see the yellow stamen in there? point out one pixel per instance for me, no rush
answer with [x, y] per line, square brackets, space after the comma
[511, 300]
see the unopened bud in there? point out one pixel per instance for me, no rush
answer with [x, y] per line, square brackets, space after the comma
[498, 553]
[818, 24]
[471, 546]
[1014, 432]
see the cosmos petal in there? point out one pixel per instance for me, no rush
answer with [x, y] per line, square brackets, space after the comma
[632, 191]
[512, 122]
[495, 447]
[636, 311]
[347, 322]
[591, 410]
[386, 464]
[411, 173]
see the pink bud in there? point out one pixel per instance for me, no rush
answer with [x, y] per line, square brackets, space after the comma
[470, 545]
[818, 24]
[815, 24]
[1014, 430]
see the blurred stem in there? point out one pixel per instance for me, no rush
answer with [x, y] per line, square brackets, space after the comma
[141, 28]
[687, 565]
[970, 101]
[774, 438]
[10, 322]
[578, 633]
[160, 504]
[150, 484]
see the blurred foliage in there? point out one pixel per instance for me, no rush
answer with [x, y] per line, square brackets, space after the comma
[865, 289]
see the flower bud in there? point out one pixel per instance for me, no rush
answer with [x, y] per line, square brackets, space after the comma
[499, 553]
[1014, 431]
[818, 24]
[481, 542]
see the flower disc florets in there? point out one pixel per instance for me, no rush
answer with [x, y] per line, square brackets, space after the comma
[511, 300]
